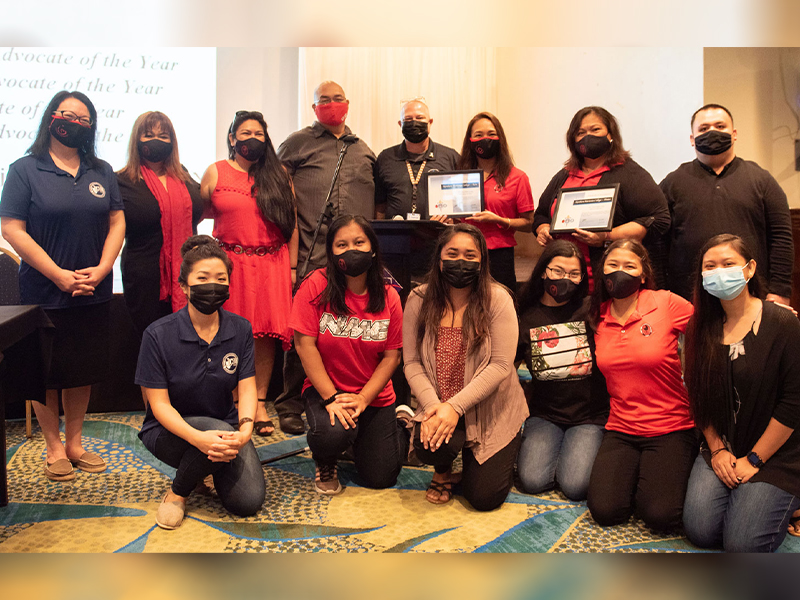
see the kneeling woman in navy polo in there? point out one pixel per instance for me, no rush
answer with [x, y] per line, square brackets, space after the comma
[348, 331]
[189, 364]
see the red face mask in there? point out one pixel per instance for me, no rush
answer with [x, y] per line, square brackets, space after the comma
[332, 113]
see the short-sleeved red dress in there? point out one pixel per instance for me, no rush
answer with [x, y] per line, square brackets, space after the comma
[261, 282]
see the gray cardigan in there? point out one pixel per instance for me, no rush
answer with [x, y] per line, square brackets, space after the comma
[492, 401]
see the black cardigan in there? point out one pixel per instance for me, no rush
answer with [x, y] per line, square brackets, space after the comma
[775, 392]
[640, 200]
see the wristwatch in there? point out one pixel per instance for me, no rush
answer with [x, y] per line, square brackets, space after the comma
[755, 460]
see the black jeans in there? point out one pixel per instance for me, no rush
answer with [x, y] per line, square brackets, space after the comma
[642, 475]
[501, 266]
[485, 486]
[239, 483]
[379, 443]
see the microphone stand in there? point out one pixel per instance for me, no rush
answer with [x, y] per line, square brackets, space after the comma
[327, 212]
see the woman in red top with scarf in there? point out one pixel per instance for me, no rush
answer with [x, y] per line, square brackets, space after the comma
[162, 209]
[597, 157]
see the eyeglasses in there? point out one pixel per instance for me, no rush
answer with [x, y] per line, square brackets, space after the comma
[559, 273]
[255, 113]
[71, 116]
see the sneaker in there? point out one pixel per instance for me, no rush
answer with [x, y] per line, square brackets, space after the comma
[326, 480]
[170, 514]
[404, 415]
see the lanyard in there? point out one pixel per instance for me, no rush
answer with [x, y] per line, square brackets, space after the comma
[414, 181]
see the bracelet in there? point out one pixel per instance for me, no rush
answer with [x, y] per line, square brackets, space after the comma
[509, 223]
[327, 401]
[717, 451]
[244, 420]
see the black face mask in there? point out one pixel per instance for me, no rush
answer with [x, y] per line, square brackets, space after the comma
[620, 284]
[208, 297]
[713, 142]
[353, 262]
[154, 150]
[460, 273]
[560, 290]
[70, 133]
[251, 149]
[593, 146]
[485, 147]
[415, 131]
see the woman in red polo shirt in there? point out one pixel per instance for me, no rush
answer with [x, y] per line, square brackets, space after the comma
[650, 442]
[509, 203]
[597, 157]
[255, 221]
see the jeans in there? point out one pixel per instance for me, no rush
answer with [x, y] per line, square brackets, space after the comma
[553, 453]
[753, 517]
[485, 486]
[647, 475]
[379, 443]
[239, 483]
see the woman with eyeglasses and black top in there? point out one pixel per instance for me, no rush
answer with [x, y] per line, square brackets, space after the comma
[650, 443]
[255, 221]
[743, 376]
[162, 209]
[509, 202]
[567, 395]
[62, 213]
[460, 336]
[597, 157]
[347, 326]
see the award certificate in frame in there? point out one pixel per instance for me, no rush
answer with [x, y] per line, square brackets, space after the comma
[590, 208]
[455, 193]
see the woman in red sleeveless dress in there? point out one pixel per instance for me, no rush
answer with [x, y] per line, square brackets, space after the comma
[253, 207]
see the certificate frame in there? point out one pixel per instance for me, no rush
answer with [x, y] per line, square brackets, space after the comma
[455, 193]
[590, 208]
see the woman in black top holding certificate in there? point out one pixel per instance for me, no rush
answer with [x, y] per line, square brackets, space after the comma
[597, 157]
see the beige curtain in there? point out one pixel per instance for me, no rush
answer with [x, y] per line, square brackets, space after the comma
[456, 82]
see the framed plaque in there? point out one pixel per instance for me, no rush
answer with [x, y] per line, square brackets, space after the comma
[455, 193]
[590, 208]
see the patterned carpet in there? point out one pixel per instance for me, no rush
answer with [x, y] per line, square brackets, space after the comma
[114, 511]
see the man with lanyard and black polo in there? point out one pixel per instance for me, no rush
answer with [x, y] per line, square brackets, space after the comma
[310, 156]
[400, 182]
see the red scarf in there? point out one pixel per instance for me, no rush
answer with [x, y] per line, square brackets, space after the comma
[176, 225]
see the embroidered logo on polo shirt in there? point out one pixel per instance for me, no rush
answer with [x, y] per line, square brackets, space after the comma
[646, 330]
[97, 190]
[230, 362]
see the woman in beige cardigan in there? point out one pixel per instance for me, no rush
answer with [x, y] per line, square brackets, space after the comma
[459, 340]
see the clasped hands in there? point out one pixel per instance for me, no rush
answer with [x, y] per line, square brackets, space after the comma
[220, 446]
[347, 407]
[731, 470]
[81, 282]
[437, 426]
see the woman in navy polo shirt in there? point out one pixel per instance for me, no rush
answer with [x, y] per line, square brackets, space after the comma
[189, 364]
[62, 212]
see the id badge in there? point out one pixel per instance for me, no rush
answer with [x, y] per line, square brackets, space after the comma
[413, 216]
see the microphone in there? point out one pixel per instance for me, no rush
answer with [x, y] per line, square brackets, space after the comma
[349, 139]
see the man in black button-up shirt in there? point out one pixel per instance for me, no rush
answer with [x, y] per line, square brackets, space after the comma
[722, 193]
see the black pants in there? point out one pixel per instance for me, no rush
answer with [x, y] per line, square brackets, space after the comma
[642, 475]
[485, 486]
[239, 483]
[501, 266]
[290, 402]
[379, 443]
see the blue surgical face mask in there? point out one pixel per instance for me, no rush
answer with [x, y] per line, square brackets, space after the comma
[725, 283]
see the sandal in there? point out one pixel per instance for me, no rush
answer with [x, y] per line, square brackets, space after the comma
[793, 527]
[258, 426]
[443, 488]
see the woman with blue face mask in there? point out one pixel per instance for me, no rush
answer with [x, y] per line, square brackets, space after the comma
[743, 377]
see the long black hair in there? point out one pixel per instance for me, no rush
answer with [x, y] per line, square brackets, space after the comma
[600, 293]
[272, 187]
[41, 145]
[706, 357]
[532, 291]
[333, 294]
[435, 299]
[504, 161]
